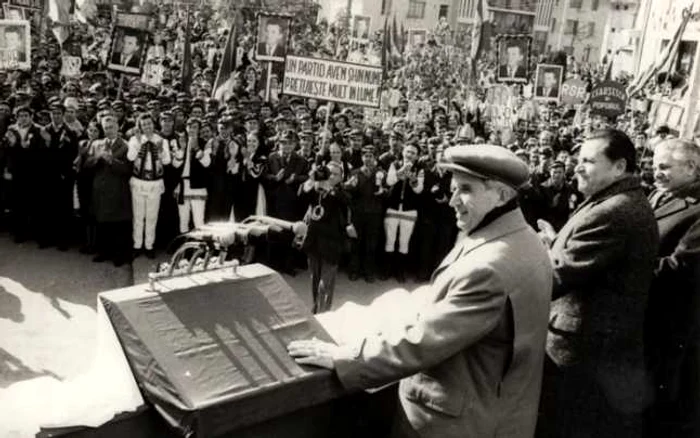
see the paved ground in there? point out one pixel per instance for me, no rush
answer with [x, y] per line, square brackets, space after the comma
[47, 306]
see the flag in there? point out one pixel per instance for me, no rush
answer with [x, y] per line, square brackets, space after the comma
[59, 13]
[663, 62]
[385, 49]
[85, 11]
[395, 48]
[608, 70]
[226, 68]
[478, 36]
[187, 58]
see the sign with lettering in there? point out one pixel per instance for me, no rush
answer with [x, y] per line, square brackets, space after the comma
[36, 5]
[608, 99]
[336, 81]
[573, 92]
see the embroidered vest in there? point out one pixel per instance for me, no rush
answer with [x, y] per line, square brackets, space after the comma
[156, 171]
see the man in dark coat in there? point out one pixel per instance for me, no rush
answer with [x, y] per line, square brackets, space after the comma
[672, 329]
[560, 198]
[365, 187]
[286, 170]
[595, 383]
[25, 164]
[325, 241]
[111, 195]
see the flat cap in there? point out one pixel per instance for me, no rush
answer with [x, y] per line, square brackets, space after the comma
[487, 162]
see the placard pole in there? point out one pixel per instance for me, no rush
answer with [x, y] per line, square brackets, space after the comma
[121, 85]
[268, 81]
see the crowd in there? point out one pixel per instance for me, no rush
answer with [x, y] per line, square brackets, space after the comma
[131, 166]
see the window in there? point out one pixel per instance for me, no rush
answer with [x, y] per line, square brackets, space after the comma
[416, 9]
[612, 30]
[591, 28]
[594, 5]
[442, 13]
[571, 27]
[586, 53]
[554, 24]
[575, 4]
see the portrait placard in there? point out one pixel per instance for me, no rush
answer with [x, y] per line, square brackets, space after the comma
[548, 78]
[272, 37]
[513, 58]
[128, 49]
[15, 45]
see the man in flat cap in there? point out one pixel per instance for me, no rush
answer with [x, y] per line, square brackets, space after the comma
[468, 348]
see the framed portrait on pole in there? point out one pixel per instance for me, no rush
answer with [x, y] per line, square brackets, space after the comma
[548, 79]
[513, 58]
[129, 43]
[15, 45]
[272, 37]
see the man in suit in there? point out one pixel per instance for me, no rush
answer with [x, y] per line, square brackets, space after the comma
[130, 55]
[548, 87]
[595, 383]
[469, 347]
[513, 68]
[273, 44]
[672, 329]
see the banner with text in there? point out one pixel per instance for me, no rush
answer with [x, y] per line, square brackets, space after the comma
[335, 81]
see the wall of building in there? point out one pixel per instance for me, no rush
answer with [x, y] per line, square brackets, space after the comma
[377, 10]
[586, 42]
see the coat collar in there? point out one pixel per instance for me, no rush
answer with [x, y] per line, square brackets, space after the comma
[625, 184]
[680, 200]
[508, 223]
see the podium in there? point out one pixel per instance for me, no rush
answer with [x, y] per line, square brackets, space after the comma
[208, 352]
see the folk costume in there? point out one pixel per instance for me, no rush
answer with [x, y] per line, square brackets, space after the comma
[149, 155]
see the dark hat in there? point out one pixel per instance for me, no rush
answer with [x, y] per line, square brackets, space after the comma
[166, 115]
[287, 135]
[249, 116]
[196, 120]
[103, 104]
[281, 118]
[117, 104]
[356, 133]
[487, 162]
[556, 165]
[368, 149]
[340, 116]
[306, 134]
[396, 134]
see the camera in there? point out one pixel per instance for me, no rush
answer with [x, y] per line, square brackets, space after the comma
[321, 174]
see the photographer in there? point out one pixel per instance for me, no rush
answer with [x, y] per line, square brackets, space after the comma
[327, 218]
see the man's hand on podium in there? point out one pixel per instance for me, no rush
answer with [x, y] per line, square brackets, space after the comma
[313, 352]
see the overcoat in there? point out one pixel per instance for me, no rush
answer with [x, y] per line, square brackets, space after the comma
[603, 261]
[469, 347]
[111, 194]
[672, 330]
